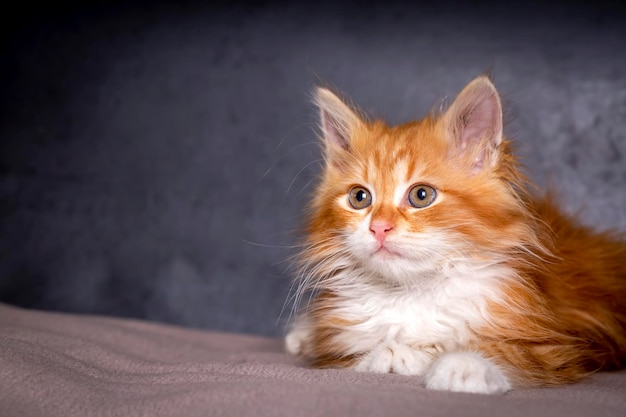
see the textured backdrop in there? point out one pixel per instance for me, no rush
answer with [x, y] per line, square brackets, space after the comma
[155, 159]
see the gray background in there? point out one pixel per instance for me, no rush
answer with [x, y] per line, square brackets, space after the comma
[156, 158]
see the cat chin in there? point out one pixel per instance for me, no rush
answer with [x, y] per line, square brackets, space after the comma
[396, 269]
[405, 260]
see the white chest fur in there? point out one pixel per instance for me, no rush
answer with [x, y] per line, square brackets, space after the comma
[438, 315]
[421, 331]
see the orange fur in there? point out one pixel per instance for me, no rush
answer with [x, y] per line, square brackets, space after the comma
[571, 314]
[561, 318]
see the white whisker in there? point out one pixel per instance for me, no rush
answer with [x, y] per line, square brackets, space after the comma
[300, 172]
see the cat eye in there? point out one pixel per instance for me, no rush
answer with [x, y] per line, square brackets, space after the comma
[359, 198]
[422, 196]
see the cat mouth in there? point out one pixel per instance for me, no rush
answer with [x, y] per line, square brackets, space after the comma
[385, 252]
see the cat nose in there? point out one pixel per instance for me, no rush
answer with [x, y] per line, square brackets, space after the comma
[380, 229]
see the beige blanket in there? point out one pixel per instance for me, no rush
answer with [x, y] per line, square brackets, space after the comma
[65, 365]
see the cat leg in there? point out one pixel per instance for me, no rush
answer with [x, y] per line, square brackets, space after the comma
[466, 372]
[391, 356]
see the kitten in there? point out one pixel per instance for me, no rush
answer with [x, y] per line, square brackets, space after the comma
[426, 254]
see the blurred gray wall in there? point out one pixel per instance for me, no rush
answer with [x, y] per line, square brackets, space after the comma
[156, 157]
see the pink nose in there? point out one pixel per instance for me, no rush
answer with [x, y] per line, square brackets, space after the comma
[380, 229]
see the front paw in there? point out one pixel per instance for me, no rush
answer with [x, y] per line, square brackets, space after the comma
[394, 357]
[296, 340]
[466, 372]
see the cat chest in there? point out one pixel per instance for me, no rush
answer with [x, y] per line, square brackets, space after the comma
[410, 320]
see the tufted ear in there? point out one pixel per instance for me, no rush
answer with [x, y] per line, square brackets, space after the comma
[473, 123]
[338, 121]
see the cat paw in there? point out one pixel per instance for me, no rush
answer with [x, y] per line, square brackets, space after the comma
[394, 357]
[466, 372]
[296, 339]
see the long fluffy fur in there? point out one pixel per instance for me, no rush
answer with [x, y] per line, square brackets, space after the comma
[490, 269]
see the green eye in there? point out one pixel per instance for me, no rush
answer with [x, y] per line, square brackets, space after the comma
[422, 196]
[359, 198]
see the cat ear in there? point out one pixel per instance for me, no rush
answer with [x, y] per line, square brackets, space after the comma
[337, 122]
[474, 123]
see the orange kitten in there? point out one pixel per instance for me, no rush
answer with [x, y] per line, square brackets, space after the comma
[427, 255]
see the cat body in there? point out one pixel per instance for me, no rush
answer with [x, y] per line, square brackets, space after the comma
[426, 254]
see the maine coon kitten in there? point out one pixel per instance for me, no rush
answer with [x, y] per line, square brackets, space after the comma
[426, 254]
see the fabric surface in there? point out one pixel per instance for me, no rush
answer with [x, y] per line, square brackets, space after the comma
[54, 364]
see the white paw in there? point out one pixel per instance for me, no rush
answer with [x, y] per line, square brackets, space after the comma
[394, 357]
[466, 372]
[295, 340]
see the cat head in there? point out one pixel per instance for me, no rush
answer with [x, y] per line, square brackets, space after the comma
[403, 203]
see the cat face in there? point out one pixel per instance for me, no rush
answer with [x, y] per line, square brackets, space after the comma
[405, 203]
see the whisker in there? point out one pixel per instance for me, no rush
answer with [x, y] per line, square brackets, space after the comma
[289, 132]
[264, 245]
[300, 172]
